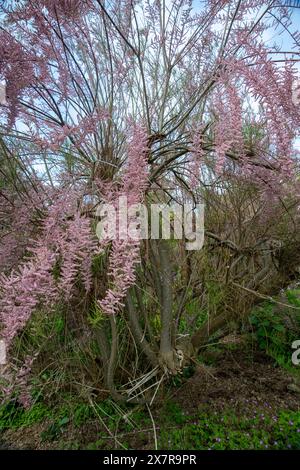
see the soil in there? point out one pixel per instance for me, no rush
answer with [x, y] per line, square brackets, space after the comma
[241, 381]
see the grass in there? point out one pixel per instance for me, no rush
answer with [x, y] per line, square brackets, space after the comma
[63, 425]
[13, 416]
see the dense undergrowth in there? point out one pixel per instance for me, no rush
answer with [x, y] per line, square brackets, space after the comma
[276, 327]
[175, 429]
[71, 421]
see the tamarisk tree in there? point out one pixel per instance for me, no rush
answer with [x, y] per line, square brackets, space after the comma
[157, 101]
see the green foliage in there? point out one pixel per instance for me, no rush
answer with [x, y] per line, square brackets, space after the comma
[230, 432]
[275, 330]
[95, 316]
[269, 330]
[82, 414]
[98, 264]
[173, 413]
[13, 416]
[40, 330]
[176, 429]
[215, 292]
[187, 372]
[192, 310]
[54, 431]
[293, 296]
[155, 321]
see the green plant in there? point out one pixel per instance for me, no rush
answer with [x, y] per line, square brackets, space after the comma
[275, 330]
[231, 432]
[81, 414]
[54, 430]
[173, 412]
[13, 416]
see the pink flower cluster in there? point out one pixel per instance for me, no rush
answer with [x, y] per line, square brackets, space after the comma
[22, 291]
[67, 8]
[66, 238]
[125, 254]
[85, 128]
[229, 123]
[17, 71]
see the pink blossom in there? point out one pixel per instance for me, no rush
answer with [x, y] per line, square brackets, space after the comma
[125, 255]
